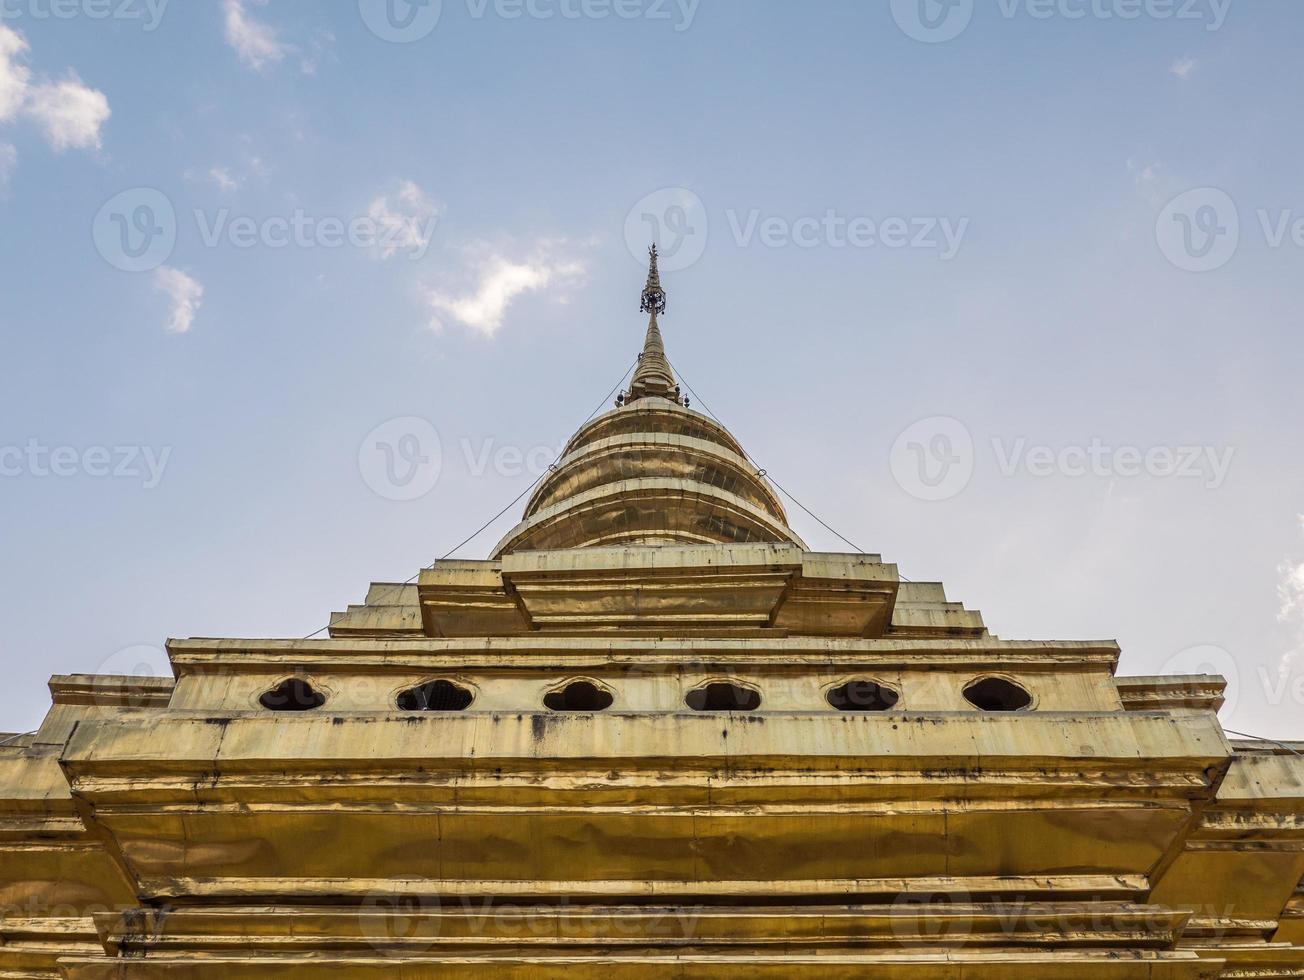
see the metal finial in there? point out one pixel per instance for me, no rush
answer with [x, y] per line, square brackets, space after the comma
[654, 297]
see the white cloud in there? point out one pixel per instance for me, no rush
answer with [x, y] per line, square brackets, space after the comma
[14, 76]
[255, 43]
[323, 46]
[8, 162]
[70, 113]
[1154, 183]
[223, 179]
[1183, 67]
[1290, 593]
[500, 280]
[408, 224]
[185, 294]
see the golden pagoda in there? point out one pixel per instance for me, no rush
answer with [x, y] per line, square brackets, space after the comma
[652, 736]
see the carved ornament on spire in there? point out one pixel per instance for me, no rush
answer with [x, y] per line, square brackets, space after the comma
[654, 297]
[653, 377]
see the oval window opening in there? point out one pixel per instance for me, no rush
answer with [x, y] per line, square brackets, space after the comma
[997, 694]
[578, 696]
[435, 696]
[723, 697]
[863, 696]
[292, 695]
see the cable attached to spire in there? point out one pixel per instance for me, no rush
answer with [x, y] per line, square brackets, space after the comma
[765, 474]
[489, 523]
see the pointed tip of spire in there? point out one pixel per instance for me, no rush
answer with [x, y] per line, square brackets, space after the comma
[653, 376]
[654, 297]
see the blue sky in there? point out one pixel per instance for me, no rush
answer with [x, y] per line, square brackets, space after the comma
[1007, 291]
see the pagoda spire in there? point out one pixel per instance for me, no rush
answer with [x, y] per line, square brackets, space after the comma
[653, 377]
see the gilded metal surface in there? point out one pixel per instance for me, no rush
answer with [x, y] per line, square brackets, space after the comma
[1107, 831]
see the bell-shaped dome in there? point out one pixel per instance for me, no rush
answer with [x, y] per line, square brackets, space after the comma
[652, 472]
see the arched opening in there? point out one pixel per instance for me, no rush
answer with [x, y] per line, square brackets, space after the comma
[997, 694]
[440, 695]
[720, 696]
[863, 695]
[293, 694]
[578, 696]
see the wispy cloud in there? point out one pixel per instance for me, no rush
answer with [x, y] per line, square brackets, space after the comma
[321, 46]
[230, 174]
[255, 42]
[69, 113]
[1183, 67]
[223, 179]
[497, 282]
[14, 75]
[185, 294]
[1154, 182]
[8, 162]
[407, 224]
[1290, 593]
